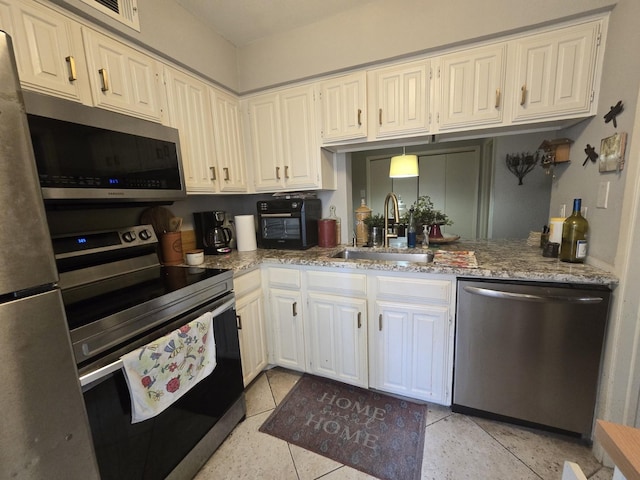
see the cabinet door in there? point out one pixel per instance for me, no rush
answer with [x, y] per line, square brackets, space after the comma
[49, 52]
[228, 142]
[189, 112]
[266, 142]
[122, 79]
[402, 100]
[408, 348]
[472, 85]
[555, 72]
[300, 146]
[251, 330]
[337, 345]
[287, 329]
[344, 107]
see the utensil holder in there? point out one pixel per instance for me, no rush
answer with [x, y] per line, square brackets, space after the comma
[171, 248]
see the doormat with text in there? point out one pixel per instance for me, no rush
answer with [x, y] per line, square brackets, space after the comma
[369, 431]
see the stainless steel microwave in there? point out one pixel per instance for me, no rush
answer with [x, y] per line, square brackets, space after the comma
[87, 154]
[289, 223]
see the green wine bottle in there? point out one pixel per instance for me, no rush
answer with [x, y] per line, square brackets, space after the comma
[574, 236]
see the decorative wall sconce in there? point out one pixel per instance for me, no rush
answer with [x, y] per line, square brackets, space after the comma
[554, 152]
[522, 163]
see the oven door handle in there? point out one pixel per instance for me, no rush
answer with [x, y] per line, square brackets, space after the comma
[102, 372]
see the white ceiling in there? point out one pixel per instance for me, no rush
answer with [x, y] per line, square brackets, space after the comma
[244, 21]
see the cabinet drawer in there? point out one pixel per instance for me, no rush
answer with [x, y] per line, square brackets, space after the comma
[419, 288]
[284, 278]
[247, 282]
[338, 282]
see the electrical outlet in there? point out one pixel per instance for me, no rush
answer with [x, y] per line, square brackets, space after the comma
[363, 194]
[603, 195]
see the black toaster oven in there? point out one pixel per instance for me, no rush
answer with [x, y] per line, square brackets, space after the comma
[290, 223]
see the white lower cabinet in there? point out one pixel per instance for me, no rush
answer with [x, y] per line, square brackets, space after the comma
[391, 332]
[286, 345]
[411, 336]
[250, 317]
[337, 338]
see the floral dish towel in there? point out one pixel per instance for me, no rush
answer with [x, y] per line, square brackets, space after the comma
[161, 372]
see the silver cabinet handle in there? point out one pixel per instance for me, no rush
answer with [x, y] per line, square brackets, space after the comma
[497, 98]
[226, 174]
[380, 116]
[294, 309]
[380, 322]
[359, 117]
[359, 319]
[72, 68]
[286, 171]
[239, 322]
[105, 79]
[523, 95]
[527, 297]
[277, 173]
[213, 173]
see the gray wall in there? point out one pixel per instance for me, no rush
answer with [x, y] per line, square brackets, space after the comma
[519, 209]
[388, 29]
[620, 81]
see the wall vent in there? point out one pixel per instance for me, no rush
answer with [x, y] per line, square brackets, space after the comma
[125, 11]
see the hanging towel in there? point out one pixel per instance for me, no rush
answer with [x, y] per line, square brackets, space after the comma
[161, 372]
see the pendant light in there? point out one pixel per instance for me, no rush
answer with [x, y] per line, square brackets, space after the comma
[403, 166]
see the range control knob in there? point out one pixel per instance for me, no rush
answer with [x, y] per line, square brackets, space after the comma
[129, 236]
[144, 234]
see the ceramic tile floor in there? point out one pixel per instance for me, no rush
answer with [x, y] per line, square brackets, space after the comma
[456, 447]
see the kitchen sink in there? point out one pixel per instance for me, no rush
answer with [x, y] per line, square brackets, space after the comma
[425, 257]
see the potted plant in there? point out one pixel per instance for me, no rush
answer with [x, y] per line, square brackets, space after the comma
[375, 225]
[425, 214]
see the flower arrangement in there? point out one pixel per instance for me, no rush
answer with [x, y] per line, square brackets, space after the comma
[425, 214]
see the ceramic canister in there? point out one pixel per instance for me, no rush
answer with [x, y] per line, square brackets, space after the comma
[327, 232]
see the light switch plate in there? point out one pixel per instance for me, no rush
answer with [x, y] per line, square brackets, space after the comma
[603, 195]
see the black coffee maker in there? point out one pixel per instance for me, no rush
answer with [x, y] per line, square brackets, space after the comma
[211, 235]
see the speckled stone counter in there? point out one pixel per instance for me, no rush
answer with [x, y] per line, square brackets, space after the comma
[501, 259]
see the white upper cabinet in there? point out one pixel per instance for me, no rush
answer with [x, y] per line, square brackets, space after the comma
[48, 49]
[400, 99]
[344, 107]
[122, 79]
[190, 112]
[472, 87]
[554, 73]
[229, 142]
[266, 141]
[285, 147]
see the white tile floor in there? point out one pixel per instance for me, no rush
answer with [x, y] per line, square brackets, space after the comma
[456, 447]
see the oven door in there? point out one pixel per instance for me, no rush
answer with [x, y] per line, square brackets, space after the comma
[153, 448]
[281, 230]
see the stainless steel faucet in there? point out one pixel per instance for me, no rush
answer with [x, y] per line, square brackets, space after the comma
[396, 217]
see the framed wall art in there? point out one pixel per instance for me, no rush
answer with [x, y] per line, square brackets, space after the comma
[612, 153]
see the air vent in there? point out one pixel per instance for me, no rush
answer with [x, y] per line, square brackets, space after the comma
[125, 11]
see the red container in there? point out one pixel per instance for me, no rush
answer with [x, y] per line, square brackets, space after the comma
[326, 233]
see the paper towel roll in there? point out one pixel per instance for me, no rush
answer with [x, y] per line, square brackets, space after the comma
[245, 233]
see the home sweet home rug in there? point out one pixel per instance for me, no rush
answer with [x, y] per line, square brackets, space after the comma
[369, 431]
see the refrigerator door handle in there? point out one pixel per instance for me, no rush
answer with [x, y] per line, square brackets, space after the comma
[527, 297]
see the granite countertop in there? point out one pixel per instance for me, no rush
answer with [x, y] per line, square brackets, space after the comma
[501, 259]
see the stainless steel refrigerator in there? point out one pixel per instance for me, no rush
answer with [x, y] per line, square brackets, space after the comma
[44, 432]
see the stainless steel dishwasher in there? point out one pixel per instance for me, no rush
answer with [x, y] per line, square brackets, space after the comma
[529, 352]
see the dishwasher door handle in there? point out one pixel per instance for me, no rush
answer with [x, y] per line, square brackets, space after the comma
[528, 297]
